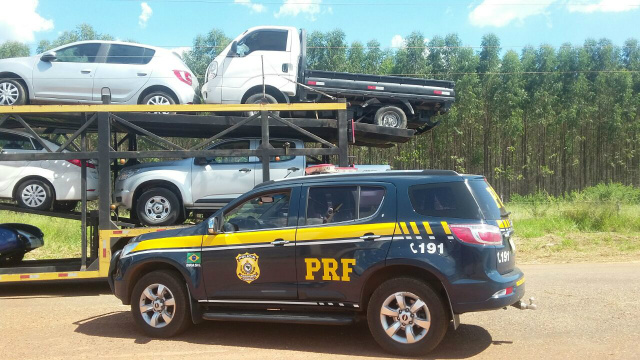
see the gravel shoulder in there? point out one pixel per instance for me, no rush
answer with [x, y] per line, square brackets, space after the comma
[587, 311]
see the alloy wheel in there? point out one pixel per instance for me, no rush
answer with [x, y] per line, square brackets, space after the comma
[405, 317]
[157, 208]
[9, 93]
[157, 305]
[33, 195]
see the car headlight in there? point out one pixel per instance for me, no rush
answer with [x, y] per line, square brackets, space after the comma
[212, 71]
[125, 174]
[128, 248]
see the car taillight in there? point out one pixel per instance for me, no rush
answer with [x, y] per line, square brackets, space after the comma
[183, 76]
[479, 234]
[77, 162]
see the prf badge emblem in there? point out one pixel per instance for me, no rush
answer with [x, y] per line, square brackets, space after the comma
[247, 269]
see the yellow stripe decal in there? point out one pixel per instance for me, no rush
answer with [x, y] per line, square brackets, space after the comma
[501, 224]
[170, 243]
[445, 226]
[403, 225]
[520, 282]
[251, 237]
[343, 231]
[427, 227]
[509, 222]
[415, 228]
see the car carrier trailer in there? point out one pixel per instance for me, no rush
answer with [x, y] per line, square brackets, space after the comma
[118, 129]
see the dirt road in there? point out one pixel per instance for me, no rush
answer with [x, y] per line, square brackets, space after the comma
[586, 311]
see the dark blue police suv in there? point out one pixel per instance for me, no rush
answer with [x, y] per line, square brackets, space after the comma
[407, 250]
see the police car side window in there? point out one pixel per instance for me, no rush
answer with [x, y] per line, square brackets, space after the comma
[334, 204]
[265, 211]
[444, 200]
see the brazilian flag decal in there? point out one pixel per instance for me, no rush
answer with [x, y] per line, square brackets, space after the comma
[193, 258]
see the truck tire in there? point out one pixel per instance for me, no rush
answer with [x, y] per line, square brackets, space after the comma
[259, 99]
[160, 304]
[406, 317]
[158, 207]
[34, 194]
[391, 116]
[12, 93]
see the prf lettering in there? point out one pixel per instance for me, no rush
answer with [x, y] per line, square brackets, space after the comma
[329, 268]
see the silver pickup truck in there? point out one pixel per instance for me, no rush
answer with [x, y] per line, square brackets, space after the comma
[164, 193]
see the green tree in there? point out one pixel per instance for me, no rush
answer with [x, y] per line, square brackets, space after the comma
[11, 49]
[80, 33]
[205, 49]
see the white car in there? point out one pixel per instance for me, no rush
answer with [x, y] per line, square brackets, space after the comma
[41, 185]
[77, 73]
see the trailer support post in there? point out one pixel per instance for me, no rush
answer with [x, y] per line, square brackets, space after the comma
[83, 198]
[265, 146]
[343, 140]
[104, 174]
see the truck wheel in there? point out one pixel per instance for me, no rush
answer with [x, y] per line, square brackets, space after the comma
[406, 317]
[12, 93]
[160, 305]
[158, 207]
[391, 116]
[259, 99]
[34, 194]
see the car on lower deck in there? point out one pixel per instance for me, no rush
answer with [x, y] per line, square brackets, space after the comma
[42, 184]
[409, 251]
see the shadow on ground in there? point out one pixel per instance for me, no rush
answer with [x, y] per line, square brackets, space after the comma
[34, 290]
[467, 341]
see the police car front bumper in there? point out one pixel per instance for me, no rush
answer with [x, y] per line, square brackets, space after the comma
[115, 279]
[497, 291]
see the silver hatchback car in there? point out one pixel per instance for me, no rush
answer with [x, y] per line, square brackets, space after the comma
[77, 73]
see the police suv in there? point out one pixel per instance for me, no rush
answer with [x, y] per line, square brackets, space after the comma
[408, 250]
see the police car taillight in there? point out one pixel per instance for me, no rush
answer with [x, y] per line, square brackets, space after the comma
[479, 234]
[503, 292]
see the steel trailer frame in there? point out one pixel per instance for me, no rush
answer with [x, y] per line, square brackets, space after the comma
[111, 118]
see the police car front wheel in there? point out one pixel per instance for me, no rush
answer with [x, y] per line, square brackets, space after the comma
[160, 305]
[406, 317]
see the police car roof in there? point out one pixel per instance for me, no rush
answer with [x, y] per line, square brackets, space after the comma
[370, 175]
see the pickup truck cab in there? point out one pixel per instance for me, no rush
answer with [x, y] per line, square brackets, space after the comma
[406, 250]
[163, 193]
[275, 56]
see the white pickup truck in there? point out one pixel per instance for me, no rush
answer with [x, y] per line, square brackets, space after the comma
[268, 64]
[164, 193]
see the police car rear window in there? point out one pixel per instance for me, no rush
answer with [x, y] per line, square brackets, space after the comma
[489, 201]
[451, 200]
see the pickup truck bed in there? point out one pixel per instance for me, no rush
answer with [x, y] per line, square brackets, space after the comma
[346, 84]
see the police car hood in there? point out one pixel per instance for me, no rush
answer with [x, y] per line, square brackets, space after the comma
[184, 231]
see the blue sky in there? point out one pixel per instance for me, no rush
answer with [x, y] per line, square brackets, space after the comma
[174, 23]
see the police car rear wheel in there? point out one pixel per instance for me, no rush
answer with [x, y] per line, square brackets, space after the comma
[406, 317]
[160, 305]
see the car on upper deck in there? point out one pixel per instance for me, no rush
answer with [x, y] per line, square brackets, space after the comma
[78, 73]
[407, 250]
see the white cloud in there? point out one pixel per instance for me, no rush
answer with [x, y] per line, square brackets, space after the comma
[19, 20]
[398, 42]
[295, 7]
[145, 15]
[254, 7]
[499, 13]
[589, 6]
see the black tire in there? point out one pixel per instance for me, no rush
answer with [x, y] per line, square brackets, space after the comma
[65, 206]
[180, 318]
[12, 93]
[158, 207]
[34, 194]
[390, 116]
[437, 326]
[259, 99]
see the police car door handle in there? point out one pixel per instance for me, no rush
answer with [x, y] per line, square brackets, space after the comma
[279, 242]
[369, 237]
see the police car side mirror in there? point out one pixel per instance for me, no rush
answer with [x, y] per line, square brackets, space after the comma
[213, 226]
